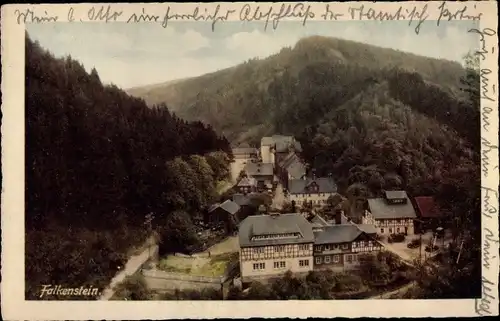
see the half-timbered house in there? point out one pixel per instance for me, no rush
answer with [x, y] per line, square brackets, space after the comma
[337, 247]
[273, 244]
[392, 214]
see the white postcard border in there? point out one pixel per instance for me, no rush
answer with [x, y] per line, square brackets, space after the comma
[15, 307]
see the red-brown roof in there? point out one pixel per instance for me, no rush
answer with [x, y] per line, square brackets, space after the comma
[426, 207]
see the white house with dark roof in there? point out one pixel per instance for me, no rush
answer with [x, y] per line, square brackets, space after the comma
[263, 173]
[270, 245]
[338, 247]
[391, 214]
[275, 148]
[314, 190]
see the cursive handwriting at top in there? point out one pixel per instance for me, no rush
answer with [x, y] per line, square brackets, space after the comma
[143, 17]
[362, 12]
[29, 16]
[460, 14]
[247, 13]
[103, 14]
[329, 14]
[196, 15]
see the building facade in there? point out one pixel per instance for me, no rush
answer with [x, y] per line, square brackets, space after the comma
[290, 168]
[275, 148]
[315, 191]
[263, 173]
[392, 214]
[270, 245]
[338, 247]
[247, 185]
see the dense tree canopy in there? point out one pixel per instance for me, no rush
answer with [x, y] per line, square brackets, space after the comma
[97, 162]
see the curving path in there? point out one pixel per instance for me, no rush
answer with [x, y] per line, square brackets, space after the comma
[131, 267]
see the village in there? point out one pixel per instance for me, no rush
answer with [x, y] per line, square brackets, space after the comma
[308, 228]
[275, 217]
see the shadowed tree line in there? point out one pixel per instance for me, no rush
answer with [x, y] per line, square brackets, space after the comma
[97, 163]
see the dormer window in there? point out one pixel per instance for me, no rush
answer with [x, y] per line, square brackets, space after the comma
[395, 197]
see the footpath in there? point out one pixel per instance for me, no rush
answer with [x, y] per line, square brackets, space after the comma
[130, 268]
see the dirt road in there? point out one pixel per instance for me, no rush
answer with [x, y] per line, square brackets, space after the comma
[131, 267]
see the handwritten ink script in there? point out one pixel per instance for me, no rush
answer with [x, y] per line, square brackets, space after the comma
[267, 14]
[490, 242]
[362, 12]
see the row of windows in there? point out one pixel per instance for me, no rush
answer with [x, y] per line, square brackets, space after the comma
[349, 258]
[280, 265]
[303, 263]
[327, 259]
[314, 202]
[281, 248]
[304, 247]
[275, 236]
[394, 222]
[309, 195]
[397, 229]
[362, 243]
[328, 247]
[397, 201]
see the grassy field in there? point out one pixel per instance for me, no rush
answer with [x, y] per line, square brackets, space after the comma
[200, 266]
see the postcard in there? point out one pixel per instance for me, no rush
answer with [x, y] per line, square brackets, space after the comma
[236, 160]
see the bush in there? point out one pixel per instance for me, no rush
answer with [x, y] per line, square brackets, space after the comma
[133, 288]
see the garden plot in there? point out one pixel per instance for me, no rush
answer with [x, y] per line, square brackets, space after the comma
[198, 266]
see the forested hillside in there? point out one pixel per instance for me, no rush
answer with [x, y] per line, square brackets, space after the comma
[97, 163]
[252, 99]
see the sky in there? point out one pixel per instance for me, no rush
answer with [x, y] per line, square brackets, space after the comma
[132, 55]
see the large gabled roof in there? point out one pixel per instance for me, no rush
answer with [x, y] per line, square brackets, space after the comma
[261, 225]
[342, 233]
[380, 209]
[228, 206]
[259, 169]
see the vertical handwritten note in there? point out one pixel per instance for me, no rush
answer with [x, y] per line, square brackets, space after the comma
[488, 72]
